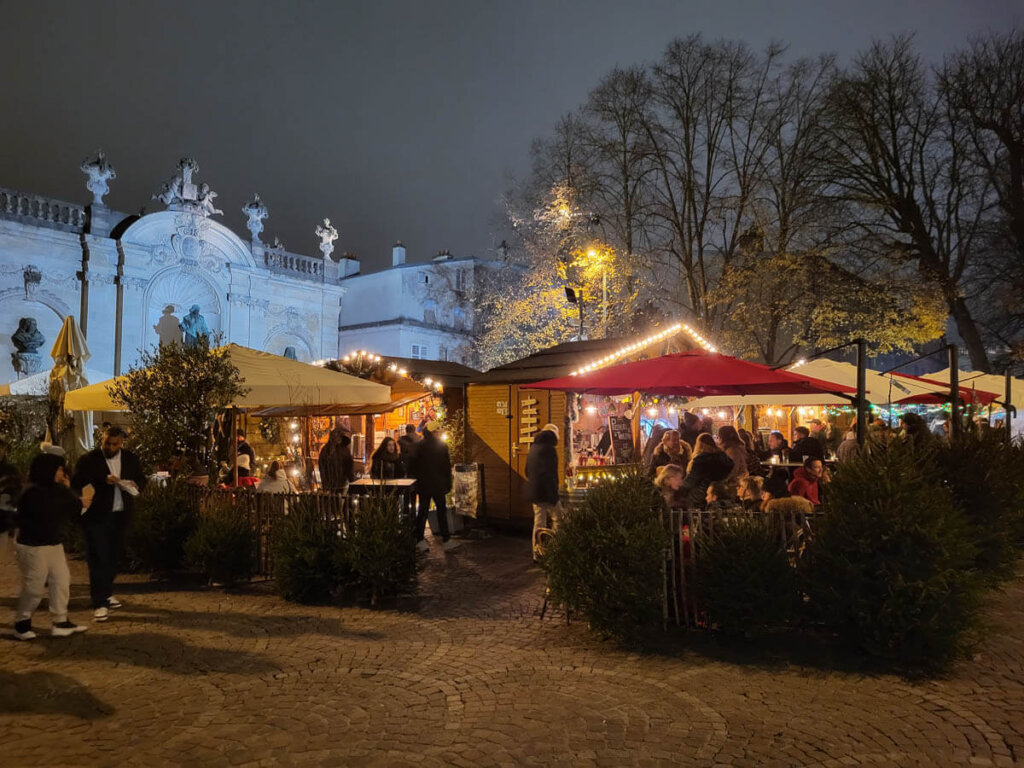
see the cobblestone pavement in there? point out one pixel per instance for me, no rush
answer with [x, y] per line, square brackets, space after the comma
[469, 676]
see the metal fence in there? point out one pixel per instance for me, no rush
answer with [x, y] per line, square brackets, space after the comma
[265, 511]
[680, 603]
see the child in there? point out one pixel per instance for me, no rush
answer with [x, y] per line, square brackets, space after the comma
[44, 511]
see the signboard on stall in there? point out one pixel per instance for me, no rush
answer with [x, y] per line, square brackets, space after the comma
[621, 430]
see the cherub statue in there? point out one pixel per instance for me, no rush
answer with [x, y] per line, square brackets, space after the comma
[327, 234]
[206, 206]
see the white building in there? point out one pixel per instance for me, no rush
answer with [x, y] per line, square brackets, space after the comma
[423, 311]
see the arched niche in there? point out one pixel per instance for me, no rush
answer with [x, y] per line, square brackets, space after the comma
[179, 289]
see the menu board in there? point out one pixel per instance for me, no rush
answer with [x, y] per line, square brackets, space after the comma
[621, 430]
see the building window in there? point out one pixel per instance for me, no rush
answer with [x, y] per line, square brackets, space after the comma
[424, 278]
[430, 312]
[460, 280]
[419, 352]
[459, 319]
[442, 353]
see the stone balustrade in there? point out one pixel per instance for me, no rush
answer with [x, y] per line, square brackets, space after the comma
[41, 210]
[294, 264]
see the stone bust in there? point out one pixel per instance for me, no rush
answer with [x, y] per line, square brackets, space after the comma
[193, 325]
[27, 339]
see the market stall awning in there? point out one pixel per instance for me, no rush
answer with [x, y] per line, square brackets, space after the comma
[403, 392]
[38, 384]
[272, 381]
[968, 394]
[974, 381]
[692, 374]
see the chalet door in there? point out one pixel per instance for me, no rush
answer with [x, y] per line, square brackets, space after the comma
[533, 409]
[489, 441]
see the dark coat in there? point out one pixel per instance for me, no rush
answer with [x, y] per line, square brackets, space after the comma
[337, 467]
[386, 466]
[92, 470]
[407, 445]
[432, 466]
[806, 446]
[542, 469]
[44, 513]
[705, 469]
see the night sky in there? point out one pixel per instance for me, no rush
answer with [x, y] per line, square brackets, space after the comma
[398, 120]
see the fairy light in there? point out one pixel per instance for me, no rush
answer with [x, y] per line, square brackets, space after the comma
[721, 414]
[638, 345]
[591, 409]
[652, 412]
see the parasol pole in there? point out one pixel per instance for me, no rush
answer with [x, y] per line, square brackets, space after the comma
[862, 392]
[955, 423]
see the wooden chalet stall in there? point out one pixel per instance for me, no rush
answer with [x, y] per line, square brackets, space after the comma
[502, 417]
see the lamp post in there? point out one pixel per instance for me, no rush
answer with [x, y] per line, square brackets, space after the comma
[593, 254]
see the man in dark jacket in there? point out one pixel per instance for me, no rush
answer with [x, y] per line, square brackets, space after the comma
[542, 482]
[116, 477]
[432, 469]
[407, 445]
[805, 446]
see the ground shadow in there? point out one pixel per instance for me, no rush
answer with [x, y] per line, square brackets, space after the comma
[152, 650]
[49, 693]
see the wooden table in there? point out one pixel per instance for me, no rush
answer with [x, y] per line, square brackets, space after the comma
[404, 486]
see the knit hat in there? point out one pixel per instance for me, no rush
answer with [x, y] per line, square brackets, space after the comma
[551, 428]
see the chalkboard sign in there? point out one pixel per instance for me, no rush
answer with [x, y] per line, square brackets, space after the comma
[621, 430]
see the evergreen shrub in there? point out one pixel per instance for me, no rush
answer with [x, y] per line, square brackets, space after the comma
[161, 523]
[605, 561]
[309, 555]
[743, 579]
[223, 546]
[892, 564]
[380, 550]
[986, 478]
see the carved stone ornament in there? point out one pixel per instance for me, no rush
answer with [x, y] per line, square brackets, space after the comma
[256, 212]
[32, 277]
[99, 172]
[182, 194]
[189, 248]
[28, 338]
[327, 234]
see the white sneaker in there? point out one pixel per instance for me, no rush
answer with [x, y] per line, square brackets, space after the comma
[113, 602]
[66, 628]
[422, 545]
[101, 614]
[451, 544]
[24, 634]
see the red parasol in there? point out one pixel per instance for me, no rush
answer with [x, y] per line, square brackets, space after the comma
[692, 374]
[967, 394]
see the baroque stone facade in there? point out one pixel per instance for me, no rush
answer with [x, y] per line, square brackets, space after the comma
[130, 280]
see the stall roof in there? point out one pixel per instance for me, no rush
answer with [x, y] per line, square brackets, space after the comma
[272, 381]
[450, 374]
[558, 360]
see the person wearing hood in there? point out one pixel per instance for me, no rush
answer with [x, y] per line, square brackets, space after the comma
[337, 466]
[44, 512]
[708, 465]
[807, 480]
[386, 463]
[542, 481]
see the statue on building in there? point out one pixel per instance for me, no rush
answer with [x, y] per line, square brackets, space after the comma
[182, 194]
[256, 212]
[327, 234]
[168, 329]
[27, 338]
[206, 204]
[289, 352]
[27, 341]
[193, 325]
[99, 172]
[278, 245]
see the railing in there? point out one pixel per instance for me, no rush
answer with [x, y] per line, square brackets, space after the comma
[681, 605]
[265, 512]
[44, 210]
[293, 263]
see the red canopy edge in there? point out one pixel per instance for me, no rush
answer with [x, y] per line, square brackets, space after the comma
[696, 373]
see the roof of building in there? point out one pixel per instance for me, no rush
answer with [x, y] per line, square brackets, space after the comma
[449, 373]
[558, 360]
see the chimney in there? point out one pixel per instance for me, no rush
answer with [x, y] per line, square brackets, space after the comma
[398, 254]
[349, 265]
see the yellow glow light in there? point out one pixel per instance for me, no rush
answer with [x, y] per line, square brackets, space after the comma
[652, 412]
[721, 414]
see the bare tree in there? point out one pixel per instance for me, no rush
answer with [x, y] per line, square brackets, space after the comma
[899, 152]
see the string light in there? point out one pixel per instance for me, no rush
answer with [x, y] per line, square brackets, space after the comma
[638, 345]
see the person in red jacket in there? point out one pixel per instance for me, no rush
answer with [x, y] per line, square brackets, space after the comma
[807, 480]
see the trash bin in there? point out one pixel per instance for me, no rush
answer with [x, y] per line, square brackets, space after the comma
[468, 489]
